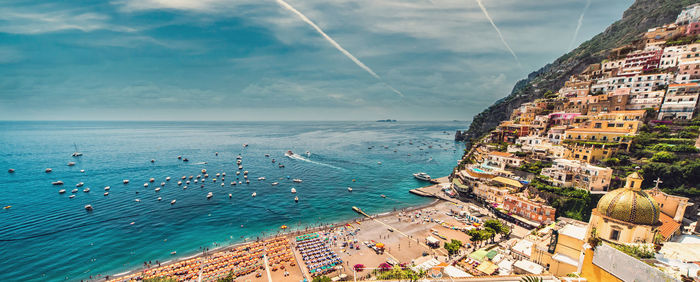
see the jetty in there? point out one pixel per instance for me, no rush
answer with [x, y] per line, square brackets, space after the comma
[435, 190]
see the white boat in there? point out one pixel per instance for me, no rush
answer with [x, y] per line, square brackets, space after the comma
[179, 183]
[80, 184]
[222, 184]
[187, 182]
[184, 188]
[48, 170]
[422, 176]
[289, 153]
[158, 189]
[379, 163]
[152, 180]
[86, 190]
[240, 167]
[107, 188]
[274, 183]
[245, 172]
[71, 196]
[195, 181]
[191, 176]
[308, 154]
[297, 180]
[61, 191]
[172, 202]
[159, 199]
[162, 184]
[223, 174]
[261, 178]
[294, 190]
[254, 194]
[71, 163]
[88, 207]
[245, 145]
[296, 199]
[238, 173]
[167, 178]
[183, 177]
[233, 183]
[82, 171]
[239, 157]
[230, 196]
[247, 181]
[145, 185]
[137, 200]
[74, 191]
[57, 182]
[106, 194]
[349, 189]
[76, 153]
[210, 195]
[125, 181]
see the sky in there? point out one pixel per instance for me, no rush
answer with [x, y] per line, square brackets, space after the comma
[279, 59]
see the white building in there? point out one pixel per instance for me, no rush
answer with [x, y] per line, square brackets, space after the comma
[645, 100]
[680, 102]
[689, 14]
[573, 173]
[670, 56]
[637, 84]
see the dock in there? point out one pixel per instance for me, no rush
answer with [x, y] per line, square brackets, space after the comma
[433, 191]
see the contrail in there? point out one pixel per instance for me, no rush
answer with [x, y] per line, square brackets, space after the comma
[578, 26]
[336, 45]
[483, 9]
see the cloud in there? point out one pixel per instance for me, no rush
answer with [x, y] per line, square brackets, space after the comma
[188, 5]
[578, 25]
[500, 35]
[53, 19]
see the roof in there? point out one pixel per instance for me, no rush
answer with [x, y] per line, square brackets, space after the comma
[501, 154]
[574, 231]
[487, 267]
[683, 84]
[668, 226]
[508, 181]
[529, 266]
[565, 259]
[455, 272]
[631, 206]
[432, 240]
[523, 247]
[478, 255]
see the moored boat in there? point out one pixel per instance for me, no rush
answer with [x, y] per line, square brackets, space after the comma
[61, 191]
[422, 176]
[48, 170]
[88, 207]
[57, 182]
[293, 190]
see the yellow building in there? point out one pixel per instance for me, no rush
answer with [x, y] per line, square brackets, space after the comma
[626, 215]
[589, 152]
[563, 252]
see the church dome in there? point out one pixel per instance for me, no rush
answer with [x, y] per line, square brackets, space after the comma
[631, 205]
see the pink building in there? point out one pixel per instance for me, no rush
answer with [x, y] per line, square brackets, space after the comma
[693, 29]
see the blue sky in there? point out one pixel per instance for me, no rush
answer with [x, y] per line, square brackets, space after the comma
[259, 60]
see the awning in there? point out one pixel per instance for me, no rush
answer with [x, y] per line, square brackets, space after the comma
[432, 240]
[487, 267]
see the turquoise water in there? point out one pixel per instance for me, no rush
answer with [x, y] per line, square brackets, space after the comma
[46, 236]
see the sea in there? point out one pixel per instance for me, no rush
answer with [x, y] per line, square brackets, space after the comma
[48, 236]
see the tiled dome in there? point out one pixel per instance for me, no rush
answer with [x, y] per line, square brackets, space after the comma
[630, 205]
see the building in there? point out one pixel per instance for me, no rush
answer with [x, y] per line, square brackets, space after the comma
[531, 210]
[680, 102]
[690, 14]
[692, 29]
[556, 134]
[577, 174]
[688, 66]
[590, 152]
[626, 215]
[561, 249]
[502, 160]
[646, 100]
[672, 212]
[663, 33]
[671, 56]
[641, 61]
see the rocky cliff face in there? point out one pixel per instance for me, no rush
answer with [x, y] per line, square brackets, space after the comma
[641, 16]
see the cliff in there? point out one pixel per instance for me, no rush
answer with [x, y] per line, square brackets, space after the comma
[641, 16]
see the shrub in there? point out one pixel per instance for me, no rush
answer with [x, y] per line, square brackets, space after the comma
[664, 157]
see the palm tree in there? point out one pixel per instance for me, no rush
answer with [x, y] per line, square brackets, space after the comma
[531, 279]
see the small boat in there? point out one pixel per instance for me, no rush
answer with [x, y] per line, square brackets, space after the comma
[247, 181]
[195, 181]
[7, 207]
[179, 157]
[239, 162]
[379, 162]
[57, 182]
[106, 194]
[159, 199]
[245, 145]
[82, 171]
[240, 167]
[213, 180]
[191, 176]
[222, 184]
[173, 253]
[183, 177]
[210, 195]
[216, 153]
[71, 196]
[254, 194]
[261, 178]
[179, 183]
[172, 202]
[308, 154]
[223, 174]
[289, 153]
[185, 160]
[383, 196]
[230, 196]
[199, 176]
[206, 175]
[280, 166]
[422, 176]
[267, 155]
[86, 190]
[273, 161]
[145, 185]
[107, 188]
[162, 184]
[157, 189]
[74, 191]
[48, 170]
[245, 172]
[184, 188]
[12, 170]
[274, 183]
[88, 207]
[187, 182]
[153, 161]
[76, 153]
[80, 184]
[152, 180]
[125, 181]
[137, 200]
[204, 171]
[239, 157]
[233, 183]
[167, 178]
[296, 199]
[61, 191]
[349, 189]
[297, 180]
[294, 190]
[71, 163]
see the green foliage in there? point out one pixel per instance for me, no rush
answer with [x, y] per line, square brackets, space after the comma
[664, 157]
[534, 167]
[497, 226]
[397, 273]
[662, 128]
[478, 235]
[228, 278]
[453, 246]
[531, 279]
[680, 178]
[549, 94]
[321, 279]
[569, 202]
[682, 148]
[636, 251]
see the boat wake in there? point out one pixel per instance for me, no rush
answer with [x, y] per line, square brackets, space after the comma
[299, 157]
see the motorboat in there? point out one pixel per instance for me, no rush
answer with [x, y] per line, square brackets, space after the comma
[145, 185]
[274, 183]
[206, 175]
[80, 184]
[294, 190]
[137, 200]
[71, 196]
[254, 194]
[61, 191]
[107, 188]
[153, 161]
[157, 189]
[210, 195]
[273, 161]
[179, 157]
[106, 194]
[204, 171]
[267, 155]
[152, 180]
[183, 177]
[233, 183]
[48, 170]
[247, 181]
[185, 160]
[280, 166]
[57, 182]
[71, 163]
[125, 181]
[308, 154]
[12, 170]
[238, 162]
[245, 172]
[230, 196]
[162, 184]
[222, 184]
[74, 191]
[159, 199]
[88, 207]
[167, 178]
[238, 173]
[86, 190]
[240, 167]
[349, 189]
[245, 145]
[422, 176]
[172, 202]
[239, 157]
[261, 178]
[179, 183]
[82, 171]
[296, 199]
[297, 180]
[213, 180]
[289, 153]
[195, 181]
[383, 196]
[191, 176]
[188, 182]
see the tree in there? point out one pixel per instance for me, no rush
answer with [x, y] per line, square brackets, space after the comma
[664, 157]
[453, 246]
[228, 278]
[531, 279]
[497, 226]
[321, 279]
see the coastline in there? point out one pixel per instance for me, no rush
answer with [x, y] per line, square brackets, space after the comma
[291, 233]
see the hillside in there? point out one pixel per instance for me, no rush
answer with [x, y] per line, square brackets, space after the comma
[641, 16]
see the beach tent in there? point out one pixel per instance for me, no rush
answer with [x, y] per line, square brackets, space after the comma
[455, 272]
[432, 241]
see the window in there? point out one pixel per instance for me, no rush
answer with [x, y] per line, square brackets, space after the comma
[615, 235]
